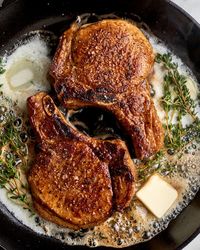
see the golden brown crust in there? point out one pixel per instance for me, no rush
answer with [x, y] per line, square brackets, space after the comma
[50, 216]
[74, 176]
[105, 64]
[108, 54]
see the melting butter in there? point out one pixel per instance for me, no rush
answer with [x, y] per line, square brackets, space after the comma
[26, 71]
[157, 195]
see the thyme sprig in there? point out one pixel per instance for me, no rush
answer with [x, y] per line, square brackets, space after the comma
[13, 160]
[150, 165]
[2, 70]
[10, 180]
[10, 135]
[176, 102]
[175, 83]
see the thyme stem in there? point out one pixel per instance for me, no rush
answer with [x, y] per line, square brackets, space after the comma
[176, 102]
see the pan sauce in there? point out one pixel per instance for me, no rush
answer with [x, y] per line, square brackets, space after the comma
[136, 224]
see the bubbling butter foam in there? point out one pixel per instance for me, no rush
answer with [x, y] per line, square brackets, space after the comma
[27, 69]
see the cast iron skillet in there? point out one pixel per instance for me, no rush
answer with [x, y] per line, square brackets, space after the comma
[168, 22]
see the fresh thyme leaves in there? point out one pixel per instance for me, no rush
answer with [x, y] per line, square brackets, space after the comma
[13, 159]
[175, 83]
[191, 133]
[177, 103]
[173, 138]
[2, 70]
[10, 179]
[150, 165]
[157, 157]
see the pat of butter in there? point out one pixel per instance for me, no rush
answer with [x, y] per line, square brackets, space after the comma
[22, 77]
[157, 195]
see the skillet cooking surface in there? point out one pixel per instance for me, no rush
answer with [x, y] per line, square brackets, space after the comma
[182, 35]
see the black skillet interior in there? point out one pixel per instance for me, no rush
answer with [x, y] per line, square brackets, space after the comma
[181, 34]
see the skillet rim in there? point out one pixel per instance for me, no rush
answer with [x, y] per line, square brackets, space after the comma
[191, 19]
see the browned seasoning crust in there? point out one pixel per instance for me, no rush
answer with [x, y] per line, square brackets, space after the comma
[106, 64]
[76, 181]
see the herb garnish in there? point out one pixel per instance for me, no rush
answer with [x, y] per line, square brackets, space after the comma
[150, 165]
[2, 70]
[176, 102]
[10, 179]
[13, 160]
[175, 82]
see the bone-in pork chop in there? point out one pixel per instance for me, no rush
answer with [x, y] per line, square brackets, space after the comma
[76, 181]
[105, 64]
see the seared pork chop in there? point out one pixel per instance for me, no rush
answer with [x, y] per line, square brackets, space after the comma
[76, 181]
[105, 64]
